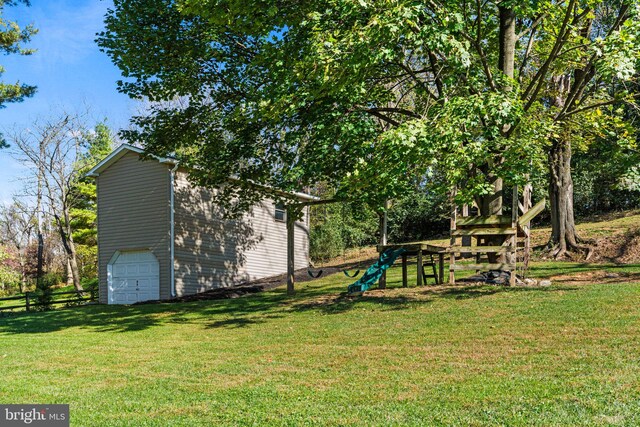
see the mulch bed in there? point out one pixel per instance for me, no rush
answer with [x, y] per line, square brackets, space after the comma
[261, 285]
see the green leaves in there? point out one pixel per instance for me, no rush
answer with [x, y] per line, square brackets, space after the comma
[367, 96]
[12, 40]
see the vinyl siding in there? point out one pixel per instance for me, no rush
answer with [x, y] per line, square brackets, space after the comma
[268, 256]
[211, 251]
[133, 213]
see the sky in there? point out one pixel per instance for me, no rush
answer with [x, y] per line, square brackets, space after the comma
[69, 70]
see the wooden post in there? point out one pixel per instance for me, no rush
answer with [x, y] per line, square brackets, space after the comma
[466, 240]
[526, 205]
[514, 238]
[291, 221]
[441, 268]
[419, 268]
[452, 242]
[404, 270]
[27, 296]
[382, 283]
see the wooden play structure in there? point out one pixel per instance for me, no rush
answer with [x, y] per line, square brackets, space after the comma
[475, 237]
[512, 232]
[497, 243]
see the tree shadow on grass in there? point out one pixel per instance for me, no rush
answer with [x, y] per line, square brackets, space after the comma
[558, 268]
[242, 312]
[418, 296]
[336, 304]
[475, 291]
[112, 318]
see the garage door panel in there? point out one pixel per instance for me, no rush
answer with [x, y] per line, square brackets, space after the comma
[144, 284]
[135, 278]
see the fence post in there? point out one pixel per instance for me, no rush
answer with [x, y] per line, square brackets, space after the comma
[28, 300]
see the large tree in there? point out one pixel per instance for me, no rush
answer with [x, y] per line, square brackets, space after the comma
[53, 150]
[12, 40]
[98, 143]
[365, 94]
[17, 224]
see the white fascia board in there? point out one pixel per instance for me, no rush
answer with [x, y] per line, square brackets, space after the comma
[125, 148]
[116, 154]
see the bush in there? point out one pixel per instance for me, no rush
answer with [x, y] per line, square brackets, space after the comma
[43, 295]
[326, 240]
[89, 284]
[339, 226]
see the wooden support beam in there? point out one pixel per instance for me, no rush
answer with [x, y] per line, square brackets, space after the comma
[452, 241]
[382, 283]
[291, 222]
[419, 270]
[481, 249]
[531, 213]
[513, 254]
[404, 271]
[483, 220]
[482, 267]
[484, 232]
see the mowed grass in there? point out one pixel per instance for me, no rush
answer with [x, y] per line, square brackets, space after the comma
[563, 355]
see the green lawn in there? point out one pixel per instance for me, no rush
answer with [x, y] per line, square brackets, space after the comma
[564, 355]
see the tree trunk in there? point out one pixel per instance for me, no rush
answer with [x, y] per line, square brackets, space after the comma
[506, 59]
[23, 276]
[70, 249]
[564, 237]
[75, 271]
[40, 266]
[69, 273]
[492, 204]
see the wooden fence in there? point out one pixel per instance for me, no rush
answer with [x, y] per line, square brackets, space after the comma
[31, 301]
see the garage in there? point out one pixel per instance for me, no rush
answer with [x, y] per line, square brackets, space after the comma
[133, 276]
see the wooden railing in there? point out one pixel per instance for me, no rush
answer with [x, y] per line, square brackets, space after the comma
[31, 301]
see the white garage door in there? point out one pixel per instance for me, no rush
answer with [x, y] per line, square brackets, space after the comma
[135, 276]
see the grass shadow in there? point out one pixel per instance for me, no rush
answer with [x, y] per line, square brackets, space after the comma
[112, 318]
[325, 295]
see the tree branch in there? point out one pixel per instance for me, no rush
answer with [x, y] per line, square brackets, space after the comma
[538, 80]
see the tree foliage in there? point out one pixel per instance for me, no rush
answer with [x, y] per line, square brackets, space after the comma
[97, 144]
[57, 150]
[12, 40]
[368, 95]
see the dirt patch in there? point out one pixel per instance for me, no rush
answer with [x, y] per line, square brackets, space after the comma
[621, 247]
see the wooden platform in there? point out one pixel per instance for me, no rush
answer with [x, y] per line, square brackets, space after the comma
[419, 249]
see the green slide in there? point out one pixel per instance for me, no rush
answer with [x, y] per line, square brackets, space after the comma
[373, 273]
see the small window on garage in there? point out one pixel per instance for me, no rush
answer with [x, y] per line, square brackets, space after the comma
[281, 213]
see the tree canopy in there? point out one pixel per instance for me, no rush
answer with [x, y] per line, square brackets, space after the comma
[12, 40]
[370, 96]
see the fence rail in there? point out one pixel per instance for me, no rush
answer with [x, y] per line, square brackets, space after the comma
[31, 301]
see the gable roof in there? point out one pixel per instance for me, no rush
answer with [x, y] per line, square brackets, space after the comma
[118, 153]
[124, 149]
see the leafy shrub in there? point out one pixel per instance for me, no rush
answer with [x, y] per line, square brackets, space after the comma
[89, 284]
[326, 240]
[43, 295]
[338, 226]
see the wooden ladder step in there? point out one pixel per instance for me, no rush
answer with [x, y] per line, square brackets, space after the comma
[483, 220]
[484, 232]
[498, 266]
[480, 249]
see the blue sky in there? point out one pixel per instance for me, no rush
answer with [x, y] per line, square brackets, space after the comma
[68, 69]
